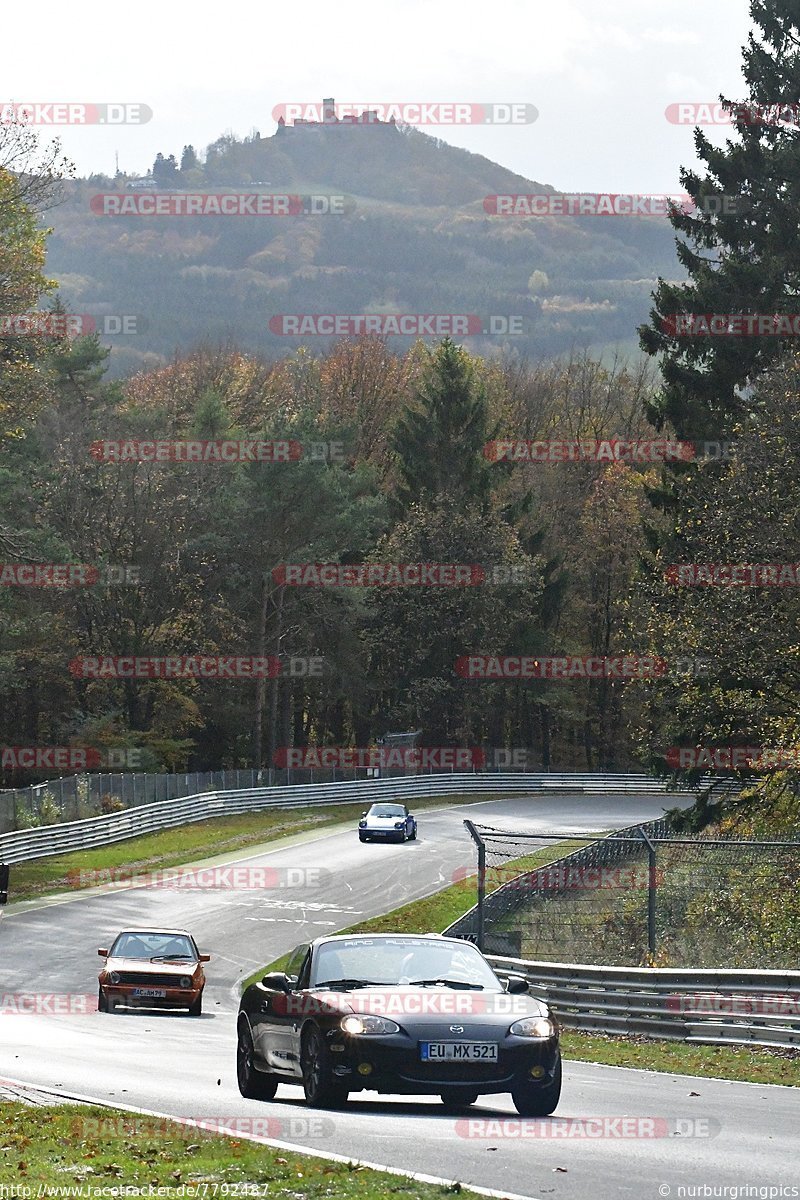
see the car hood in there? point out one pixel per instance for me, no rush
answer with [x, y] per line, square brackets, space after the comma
[384, 820]
[433, 1004]
[143, 966]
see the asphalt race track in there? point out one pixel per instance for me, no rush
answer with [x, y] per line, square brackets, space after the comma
[688, 1133]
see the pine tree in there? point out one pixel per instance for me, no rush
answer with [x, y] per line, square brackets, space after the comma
[741, 246]
[439, 439]
[188, 159]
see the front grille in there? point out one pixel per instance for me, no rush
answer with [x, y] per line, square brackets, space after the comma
[453, 1072]
[148, 979]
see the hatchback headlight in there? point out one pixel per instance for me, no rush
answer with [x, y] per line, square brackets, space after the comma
[362, 824]
[399, 824]
[186, 981]
[114, 977]
[533, 1027]
[365, 1024]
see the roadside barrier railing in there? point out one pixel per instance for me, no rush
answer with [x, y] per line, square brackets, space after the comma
[25, 844]
[760, 1008]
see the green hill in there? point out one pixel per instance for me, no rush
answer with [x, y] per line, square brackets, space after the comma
[414, 238]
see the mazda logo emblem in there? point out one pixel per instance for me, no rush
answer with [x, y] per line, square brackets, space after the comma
[456, 1028]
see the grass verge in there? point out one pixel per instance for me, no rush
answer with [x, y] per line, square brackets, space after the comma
[184, 844]
[85, 1148]
[745, 1064]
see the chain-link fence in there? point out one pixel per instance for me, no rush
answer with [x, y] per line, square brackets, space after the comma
[641, 896]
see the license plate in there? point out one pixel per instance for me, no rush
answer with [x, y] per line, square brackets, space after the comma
[458, 1051]
[150, 993]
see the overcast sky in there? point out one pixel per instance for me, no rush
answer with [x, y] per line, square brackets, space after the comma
[600, 72]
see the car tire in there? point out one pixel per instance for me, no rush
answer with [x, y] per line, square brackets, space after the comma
[538, 1099]
[321, 1087]
[102, 1002]
[196, 1007]
[412, 837]
[454, 1100]
[362, 837]
[253, 1084]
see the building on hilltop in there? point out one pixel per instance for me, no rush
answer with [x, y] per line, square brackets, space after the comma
[331, 120]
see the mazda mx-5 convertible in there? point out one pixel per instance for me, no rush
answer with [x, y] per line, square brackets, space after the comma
[413, 1014]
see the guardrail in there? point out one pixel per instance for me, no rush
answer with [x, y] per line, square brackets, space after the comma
[718, 1007]
[25, 844]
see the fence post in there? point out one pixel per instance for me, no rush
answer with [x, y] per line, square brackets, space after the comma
[651, 894]
[479, 842]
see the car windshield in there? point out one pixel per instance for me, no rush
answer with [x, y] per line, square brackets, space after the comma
[399, 961]
[386, 810]
[153, 945]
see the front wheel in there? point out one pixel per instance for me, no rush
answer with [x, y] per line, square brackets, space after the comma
[362, 837]
[102, 1002]
[322, 1088]
[196, 1007]
[412, 837]
[252, 1083]
[536, 1099]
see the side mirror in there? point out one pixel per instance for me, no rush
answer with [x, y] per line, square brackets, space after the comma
[276, 981]
[103, 953]
[516, 985]
[204, 958]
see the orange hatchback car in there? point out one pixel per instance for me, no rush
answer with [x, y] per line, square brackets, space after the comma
[154, 968]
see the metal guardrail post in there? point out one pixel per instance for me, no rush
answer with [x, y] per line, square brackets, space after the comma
[651, 893]
[5, 872]
[476, 837]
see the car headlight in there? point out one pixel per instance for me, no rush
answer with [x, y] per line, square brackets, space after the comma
[399, 824]
[114, 977]
[362, 824]
[186, 981]
[365, 1024]
[533, 1027]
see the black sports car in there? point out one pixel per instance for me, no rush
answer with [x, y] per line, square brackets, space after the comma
[396, 1013]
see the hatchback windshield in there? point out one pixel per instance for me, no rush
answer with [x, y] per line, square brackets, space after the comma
[152, 945]
[393, 961]
[387, 810]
